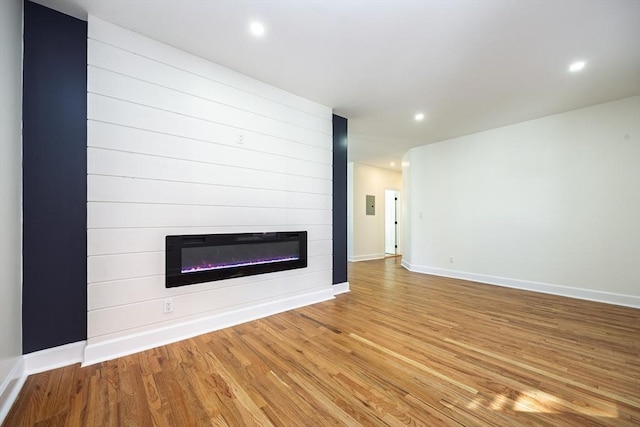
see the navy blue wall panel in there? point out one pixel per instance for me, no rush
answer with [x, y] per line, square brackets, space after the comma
[339, 199]
[54, 299]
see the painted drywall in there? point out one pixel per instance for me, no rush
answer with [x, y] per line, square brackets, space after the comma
[551, 204]
[11, 200]
[365, 236]
[179, 145]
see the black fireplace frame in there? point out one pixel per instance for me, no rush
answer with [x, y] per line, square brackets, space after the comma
[174, 252]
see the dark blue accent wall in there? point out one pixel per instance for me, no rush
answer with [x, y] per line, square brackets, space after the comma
[54, 298]
[339, 199]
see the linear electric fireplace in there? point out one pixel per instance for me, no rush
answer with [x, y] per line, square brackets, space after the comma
[207, 257]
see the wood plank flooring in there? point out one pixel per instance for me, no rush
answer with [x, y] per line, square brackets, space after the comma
[400, 349]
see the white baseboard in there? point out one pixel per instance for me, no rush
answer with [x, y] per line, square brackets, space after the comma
[369, 257]
[11, 386]
[341, 288]
[547, 288]
[34, 363]
[122, 346]
[87, 354]
[52, 358]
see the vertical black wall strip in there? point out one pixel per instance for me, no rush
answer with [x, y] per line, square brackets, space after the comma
[339, 199]
[54, 297]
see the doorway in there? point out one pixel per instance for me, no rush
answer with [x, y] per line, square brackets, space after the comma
[391, 199]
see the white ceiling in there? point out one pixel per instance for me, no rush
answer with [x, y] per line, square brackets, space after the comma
[469, 65]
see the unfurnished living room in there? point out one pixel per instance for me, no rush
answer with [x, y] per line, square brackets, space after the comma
[320, 212]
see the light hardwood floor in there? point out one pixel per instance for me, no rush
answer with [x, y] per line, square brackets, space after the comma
[400, 349]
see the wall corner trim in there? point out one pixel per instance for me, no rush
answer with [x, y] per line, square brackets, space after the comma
[367, 257]
[34, 363]
[129, 344]
[11, 386]
[341, 288]
[526, 285]
[55, 357]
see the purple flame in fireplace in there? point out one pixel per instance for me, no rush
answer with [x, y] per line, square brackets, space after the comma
[209, 266]
[229, 256]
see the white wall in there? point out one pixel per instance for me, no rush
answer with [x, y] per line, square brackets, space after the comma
[179, 145]
[365, 236]
[10, 201]
[551, 204]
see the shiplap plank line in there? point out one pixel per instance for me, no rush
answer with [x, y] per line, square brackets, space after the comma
[105, 294]
[107, 269]
[107, 214]
[126, 89]
[314, 247]
[118, 337]
[118, 138]
[111, 241]
[133, 165]
[113, 111]
[101, 135]
[113, 35]
[135, 66]
[132, 315]
[96, 111]
[124, 189]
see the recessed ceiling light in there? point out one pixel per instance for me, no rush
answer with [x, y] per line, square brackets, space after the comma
[577, 66]
[392, 164]
[419, 117]
[257, 29]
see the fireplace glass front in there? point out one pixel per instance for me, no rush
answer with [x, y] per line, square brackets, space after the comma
[202, 258]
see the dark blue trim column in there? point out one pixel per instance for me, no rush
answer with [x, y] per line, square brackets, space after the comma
[339, 199]
[54, 297]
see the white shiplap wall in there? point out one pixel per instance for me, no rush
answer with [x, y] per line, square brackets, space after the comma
[179, 145]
